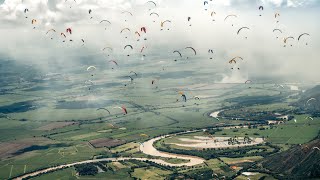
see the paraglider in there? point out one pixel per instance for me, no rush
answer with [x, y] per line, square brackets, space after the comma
[195, 52]
[51, 30]
[113, 61]
[107, 48]
[309, 102]
[69, 30]
[316, 148]
[261, 9]
[154, 14]
[242, 29]
[131, 79]
[105, 21]
[248, 82]
[152, 3]
[163, 23]
[90, 11]
[25, 11]
[123, 108]
[309, 118]
[184, 97]
[230, 16]
[311, 99]
[91, 68]
[210, 51]
[125, 47]
[34, 21]
[277, 30]
[64, 36]
[213, 13]
[178, 53]
[143, 47]
[128, 13]
[89, 82]
[301, 35]
[205, 3]
[189, 18]
[73, 0]
[104, 110]
[125, 29]
[279, 85]
[276, 15]
[143, 29]
[137, 33]
[285, 40]
[134, 73]
[233, 60]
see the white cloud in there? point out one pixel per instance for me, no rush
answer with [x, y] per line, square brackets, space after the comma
[262, 52]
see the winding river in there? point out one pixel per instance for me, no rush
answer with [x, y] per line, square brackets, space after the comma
[147, 148]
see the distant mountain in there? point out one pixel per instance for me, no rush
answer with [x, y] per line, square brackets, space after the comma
[299, 162]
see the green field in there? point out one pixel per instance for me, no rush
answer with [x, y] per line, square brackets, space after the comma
[147, 114]
[150, 173]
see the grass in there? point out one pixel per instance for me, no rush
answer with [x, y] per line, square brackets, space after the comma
[241, 160]
[158, 116]
[64, 174]
[46, 158]
[120, 174]
[290, 132]
[150, 173]
[256, 176]
[84, 136]
[216, 165]
[175, 160]
[125, 147]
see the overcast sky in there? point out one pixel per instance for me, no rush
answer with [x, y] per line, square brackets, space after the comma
[265, 55]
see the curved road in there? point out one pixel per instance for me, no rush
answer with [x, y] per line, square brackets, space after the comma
[146, 148]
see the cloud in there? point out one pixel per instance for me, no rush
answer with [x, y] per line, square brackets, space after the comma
[264, 55]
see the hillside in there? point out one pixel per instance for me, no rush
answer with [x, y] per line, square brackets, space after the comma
[312, 106]
[301, 161]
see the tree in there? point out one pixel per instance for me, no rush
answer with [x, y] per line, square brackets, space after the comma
[86, 169]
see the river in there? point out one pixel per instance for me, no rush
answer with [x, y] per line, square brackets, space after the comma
[147, 148]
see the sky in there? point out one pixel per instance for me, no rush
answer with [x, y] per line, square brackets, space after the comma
[265, 57]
